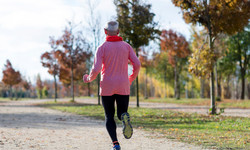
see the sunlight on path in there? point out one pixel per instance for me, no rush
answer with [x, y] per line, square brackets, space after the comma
[26, 127]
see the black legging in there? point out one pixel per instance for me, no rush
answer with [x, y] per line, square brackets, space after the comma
[108, 102]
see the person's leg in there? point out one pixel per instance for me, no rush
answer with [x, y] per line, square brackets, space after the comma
[122, 102]
[109, 108]
[122, 108]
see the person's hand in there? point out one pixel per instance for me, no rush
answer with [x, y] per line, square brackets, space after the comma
[130, 81]
[85, 78]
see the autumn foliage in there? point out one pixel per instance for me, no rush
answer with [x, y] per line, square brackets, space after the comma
[72, 54]
[202, 60]
[175, 45]
[10, 76]
[177, 49]
[219, 15]
[68, 58]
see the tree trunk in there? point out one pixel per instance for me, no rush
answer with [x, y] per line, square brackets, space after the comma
[186, 90]
[55, 87]
[151, 88]
[98, 90]
[248, 90]
[243, 72]
[11, 92]
[137, 85]
[228, 93]
[176, 83]
[88, 89]
[202, 88]
[217, 82]
[212, 96]
[72, 83]
[137, 92]
[16, 93]
[165, 81]
[146, 89]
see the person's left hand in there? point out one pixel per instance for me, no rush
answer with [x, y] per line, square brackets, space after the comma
[85, 78]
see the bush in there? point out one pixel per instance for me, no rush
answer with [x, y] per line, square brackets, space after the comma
[218, 99]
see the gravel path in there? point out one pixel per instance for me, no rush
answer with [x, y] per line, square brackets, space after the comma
[26, 127]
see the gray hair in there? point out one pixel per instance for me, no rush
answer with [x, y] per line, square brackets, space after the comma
[112, 26]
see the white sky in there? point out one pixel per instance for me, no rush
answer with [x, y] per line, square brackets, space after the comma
[25, 27]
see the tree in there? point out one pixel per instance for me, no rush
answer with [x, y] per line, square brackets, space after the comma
[200, 59]
[146, 63]
[176, 46]
[45, 92]
[217, 16]
[239, 46]
[73, 51]
[26, 85]
[95, 28]
[10, 76]
[48, 60]
[136, 26]
[39, 86]
[162, 69]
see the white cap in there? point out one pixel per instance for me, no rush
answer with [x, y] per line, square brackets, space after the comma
[112, 26]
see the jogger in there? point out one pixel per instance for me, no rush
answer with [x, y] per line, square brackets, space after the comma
[112, 59]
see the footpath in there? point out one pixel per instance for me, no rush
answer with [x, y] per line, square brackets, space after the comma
[24, 126]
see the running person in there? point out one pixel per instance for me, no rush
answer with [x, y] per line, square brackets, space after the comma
[112, 59]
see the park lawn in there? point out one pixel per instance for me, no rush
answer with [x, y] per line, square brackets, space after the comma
[226, 103]
[209, 131]
[14, 99]
[85, 97]
[4, 99]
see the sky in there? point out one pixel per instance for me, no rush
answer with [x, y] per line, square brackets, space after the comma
[25, 27]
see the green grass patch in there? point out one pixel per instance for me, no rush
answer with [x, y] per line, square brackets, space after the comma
[235, 103]
[13, 99]
[198, 102]
[209, 131]
[86, 97]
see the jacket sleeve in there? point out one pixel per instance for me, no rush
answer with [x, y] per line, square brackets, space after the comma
[96, 68]
[136, 65]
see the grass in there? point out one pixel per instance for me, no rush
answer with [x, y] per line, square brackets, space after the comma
[245, 104]
[209, 131]
[13, 99]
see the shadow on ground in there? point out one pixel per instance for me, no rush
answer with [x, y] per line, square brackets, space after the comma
[31, 116]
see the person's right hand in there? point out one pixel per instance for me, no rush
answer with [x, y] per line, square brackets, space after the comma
[85, 78]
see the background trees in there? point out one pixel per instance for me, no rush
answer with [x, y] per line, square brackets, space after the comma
[72, 53]
[217, 17]
[218, 48]
[136, 25]
[177, 49]
[11, 77]
[94, 24]
[48, 60]
[238, 53]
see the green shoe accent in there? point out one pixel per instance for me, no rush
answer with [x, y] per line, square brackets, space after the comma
[127, 127]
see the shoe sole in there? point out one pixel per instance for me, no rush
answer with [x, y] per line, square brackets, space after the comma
[127, 127]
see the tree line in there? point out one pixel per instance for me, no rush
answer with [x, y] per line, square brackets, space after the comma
[215, 57]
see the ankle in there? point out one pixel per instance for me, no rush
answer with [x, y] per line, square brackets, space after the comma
[116, 143]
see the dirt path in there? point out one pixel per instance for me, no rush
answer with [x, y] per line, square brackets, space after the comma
[237, 112]
[26, 127]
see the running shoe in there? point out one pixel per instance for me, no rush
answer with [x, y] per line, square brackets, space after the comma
[116, 147]
[127, 127]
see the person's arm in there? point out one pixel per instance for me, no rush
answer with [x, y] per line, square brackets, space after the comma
[136, 65]
[96, 68]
